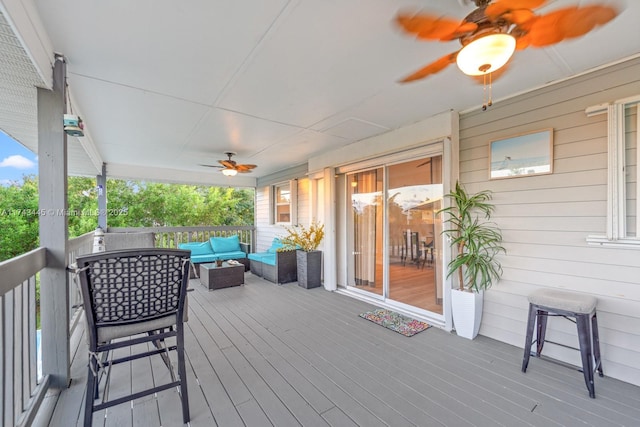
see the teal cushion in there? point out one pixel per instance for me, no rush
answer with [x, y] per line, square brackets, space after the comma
[197, 248]
[257, 256]
[197, 259]
[269, 259]
[263, 257]
[231, 255]
[225, 244]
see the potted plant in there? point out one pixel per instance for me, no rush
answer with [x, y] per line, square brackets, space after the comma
[476, 242]
[309, 259]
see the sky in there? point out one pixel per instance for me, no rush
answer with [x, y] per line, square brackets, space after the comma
[15, 160]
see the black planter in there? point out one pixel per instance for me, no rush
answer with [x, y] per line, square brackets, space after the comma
[309, 268]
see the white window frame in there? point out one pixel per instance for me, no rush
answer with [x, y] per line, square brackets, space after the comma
[275, 203]
[616, 232]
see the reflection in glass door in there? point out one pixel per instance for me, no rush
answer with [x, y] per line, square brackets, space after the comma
[395, 240]
[366, 200]
[414, 196]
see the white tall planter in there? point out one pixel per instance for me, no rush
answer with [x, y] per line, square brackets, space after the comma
[466, 308]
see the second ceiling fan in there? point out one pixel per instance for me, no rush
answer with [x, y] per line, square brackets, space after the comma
[231, 167]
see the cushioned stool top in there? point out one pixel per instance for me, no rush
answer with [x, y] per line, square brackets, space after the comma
[567, 301]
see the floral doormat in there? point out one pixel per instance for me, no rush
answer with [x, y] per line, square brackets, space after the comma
[396, 322]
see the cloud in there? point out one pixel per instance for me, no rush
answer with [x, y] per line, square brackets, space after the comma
[18, 162]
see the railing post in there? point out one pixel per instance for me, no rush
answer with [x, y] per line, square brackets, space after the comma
[101, 181]
[54, 281]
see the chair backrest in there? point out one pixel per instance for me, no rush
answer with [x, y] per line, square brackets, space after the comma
[129, 286]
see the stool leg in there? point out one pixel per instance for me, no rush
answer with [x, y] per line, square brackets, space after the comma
[596, 343]
[529, 339]
[541, 331]
[584, 337]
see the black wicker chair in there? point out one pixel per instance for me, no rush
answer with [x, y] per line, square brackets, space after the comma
[132, 297]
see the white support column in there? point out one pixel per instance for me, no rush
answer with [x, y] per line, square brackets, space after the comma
[330, 257]
[54, 282]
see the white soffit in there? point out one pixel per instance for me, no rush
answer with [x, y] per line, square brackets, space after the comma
[18, 94]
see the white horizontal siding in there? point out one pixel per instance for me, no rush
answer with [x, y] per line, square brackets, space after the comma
[267, 231]
[545, 219]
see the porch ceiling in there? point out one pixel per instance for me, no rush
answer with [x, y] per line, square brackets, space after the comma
[164, 86]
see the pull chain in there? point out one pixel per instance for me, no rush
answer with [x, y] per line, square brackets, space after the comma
[486, 104]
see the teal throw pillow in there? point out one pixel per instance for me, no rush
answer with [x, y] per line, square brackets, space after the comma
[197, 248]
[225, 244]
[275, 245]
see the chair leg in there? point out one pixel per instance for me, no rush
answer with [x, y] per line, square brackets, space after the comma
[529, 339]
[596, 343]
[92, 389]
[584, 337]
[162, 345]
[182, 372]
[542, 317]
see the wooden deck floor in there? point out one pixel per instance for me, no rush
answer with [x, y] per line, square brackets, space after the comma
[262, 354]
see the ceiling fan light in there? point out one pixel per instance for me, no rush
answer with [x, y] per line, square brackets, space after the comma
[486, 54]
[229, 172]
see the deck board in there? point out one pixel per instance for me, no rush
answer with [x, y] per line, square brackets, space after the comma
[264, 354]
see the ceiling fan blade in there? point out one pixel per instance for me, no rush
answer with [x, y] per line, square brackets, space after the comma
[433, 68]
[465, 28]
[501, 7]
[515, 11]
[587, 18]
[431, 27]
[229, 164]
[209, 166]
[567, 23]
[245, 168]
[519, 16]
[522, 41]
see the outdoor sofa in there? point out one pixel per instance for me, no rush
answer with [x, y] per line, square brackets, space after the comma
[218, 248]
[275, 264]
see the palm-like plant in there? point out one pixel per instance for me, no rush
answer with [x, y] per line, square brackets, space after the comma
[306, 239]
[477, 242]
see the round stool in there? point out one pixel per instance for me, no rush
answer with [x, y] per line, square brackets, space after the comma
[550, 302]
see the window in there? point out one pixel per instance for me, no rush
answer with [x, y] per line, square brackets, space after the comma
[282, 203]
[623, 203]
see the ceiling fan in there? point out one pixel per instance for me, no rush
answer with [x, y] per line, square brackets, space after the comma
[495, 29]
[230, 167]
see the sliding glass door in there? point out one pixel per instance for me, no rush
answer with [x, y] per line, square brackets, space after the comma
[395, 232]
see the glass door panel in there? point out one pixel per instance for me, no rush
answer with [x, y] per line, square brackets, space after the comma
[414, 196]
[366, 194]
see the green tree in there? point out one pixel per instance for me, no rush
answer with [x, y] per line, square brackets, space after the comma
[129, 204]
[121, 196]
[227, 206]
[82, 199]
[19, 217]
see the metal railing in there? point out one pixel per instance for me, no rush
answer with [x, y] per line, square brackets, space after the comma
[170, 237]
